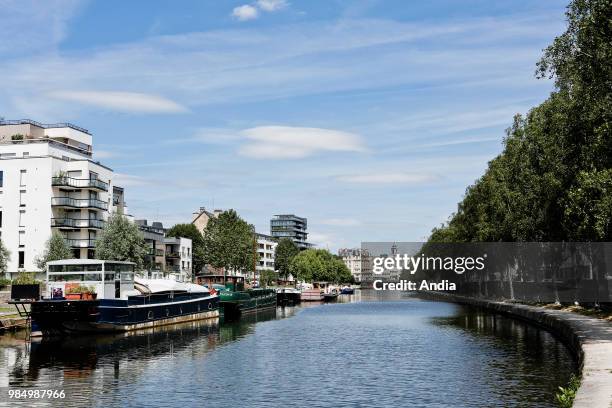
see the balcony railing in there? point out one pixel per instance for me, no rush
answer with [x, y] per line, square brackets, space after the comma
[79, 203]
[79, 183]
[76, 223]
[172, 255]
[81, 243]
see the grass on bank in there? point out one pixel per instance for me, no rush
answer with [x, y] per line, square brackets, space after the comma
[585, 311]
[565, 396]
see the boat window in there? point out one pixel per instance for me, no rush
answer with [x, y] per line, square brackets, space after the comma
[83, 268]
[76, 277]
[56, 268]
[66, 277]
[116, 267]
[109, 277]
[127, 277]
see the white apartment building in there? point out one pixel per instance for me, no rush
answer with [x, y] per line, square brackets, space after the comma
[179, 257]
[359, 263]
[49, 181]
[266, 249]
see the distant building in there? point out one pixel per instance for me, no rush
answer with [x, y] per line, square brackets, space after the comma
[50, 181]
[179, 257]
[200, 220]
[154, 235]
[292, 227]
[359, 262]
[202, 216]
[266, 248]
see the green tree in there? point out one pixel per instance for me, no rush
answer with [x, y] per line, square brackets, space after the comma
[286, 250]
[319, 265]
[197, 241]
[121, 240]
[5, 256]
[552, 180]
[56, 248]
[268, 277]
[229, 242]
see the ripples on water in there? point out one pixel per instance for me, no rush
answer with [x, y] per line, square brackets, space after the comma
[390, 353]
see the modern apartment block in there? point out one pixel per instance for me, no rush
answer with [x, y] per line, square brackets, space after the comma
[49, 181]
[359, 263]
[179, 257]
[292, 227]
[266, 248]
[154, 235]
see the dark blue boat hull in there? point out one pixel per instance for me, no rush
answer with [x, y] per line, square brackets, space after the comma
[138, 312]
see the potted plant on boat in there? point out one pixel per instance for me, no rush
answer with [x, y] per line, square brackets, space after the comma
[81, 293]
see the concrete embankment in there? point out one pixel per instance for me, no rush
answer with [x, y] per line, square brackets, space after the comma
[590, 340]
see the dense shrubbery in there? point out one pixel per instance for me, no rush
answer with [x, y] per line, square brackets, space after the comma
[553, 180]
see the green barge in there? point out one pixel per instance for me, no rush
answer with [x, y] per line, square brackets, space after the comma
[234, 299]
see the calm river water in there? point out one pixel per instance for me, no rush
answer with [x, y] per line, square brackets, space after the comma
[369, 351]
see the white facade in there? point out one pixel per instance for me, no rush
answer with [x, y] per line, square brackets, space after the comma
[266, 249]
[179, 257]
[358, 262]
[49, 181]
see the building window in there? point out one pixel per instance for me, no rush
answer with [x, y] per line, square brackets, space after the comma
[21, 258]
[1, 179]
[21, 239]
[22, 198]
[22, 218]
[22, 177]
[0, 219]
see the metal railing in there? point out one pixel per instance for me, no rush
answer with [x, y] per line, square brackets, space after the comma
[79, 203]
[79, 183]
[77, 223]
[43, 125]
[81, 243]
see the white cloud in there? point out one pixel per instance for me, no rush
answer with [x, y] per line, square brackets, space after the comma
[285, 142]
[341, 222]
[121, 101]
[390, 178]
[249, 65]
[462, 141]
[271, 5]
[245, 12]
[28, 26]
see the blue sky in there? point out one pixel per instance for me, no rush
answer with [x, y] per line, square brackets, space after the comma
[369, 118]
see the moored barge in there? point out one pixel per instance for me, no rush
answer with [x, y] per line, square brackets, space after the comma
[234, 299]
[122, 301]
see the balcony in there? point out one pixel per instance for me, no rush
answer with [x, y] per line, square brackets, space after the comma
[81, 243]
[74, 183]
[76, 223]
[173, 255]
[68, 202]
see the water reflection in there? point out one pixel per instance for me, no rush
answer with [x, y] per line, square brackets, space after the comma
[530, 348]
[393, 349]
